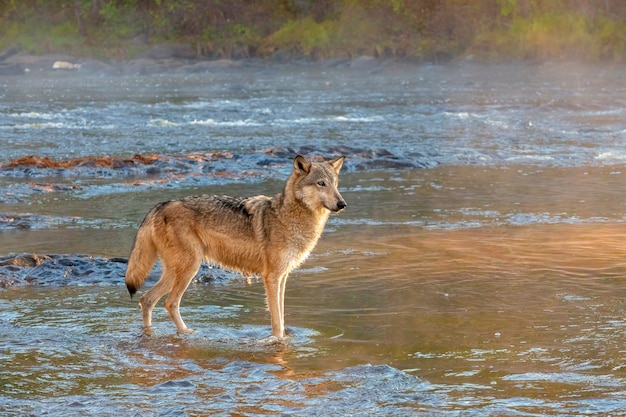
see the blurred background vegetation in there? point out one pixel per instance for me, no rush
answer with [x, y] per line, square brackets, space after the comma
[428, 30]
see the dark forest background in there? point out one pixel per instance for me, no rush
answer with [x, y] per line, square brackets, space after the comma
[428, 30]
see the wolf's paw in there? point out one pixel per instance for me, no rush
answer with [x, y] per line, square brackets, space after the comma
[147, 330]
[273, 341]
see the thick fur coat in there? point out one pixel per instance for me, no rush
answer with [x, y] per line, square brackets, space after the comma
[268, 236]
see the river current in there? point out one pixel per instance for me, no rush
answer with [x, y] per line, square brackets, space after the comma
[477, 270]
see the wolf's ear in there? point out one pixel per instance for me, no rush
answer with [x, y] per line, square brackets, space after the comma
[301, 165]
[337, 163]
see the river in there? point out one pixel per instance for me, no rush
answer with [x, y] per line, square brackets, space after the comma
[477, 270]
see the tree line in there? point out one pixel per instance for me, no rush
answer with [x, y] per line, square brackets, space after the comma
[589, 30]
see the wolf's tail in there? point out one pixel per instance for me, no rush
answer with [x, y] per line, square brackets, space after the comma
[142, 257]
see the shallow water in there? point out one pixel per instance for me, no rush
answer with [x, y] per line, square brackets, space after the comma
[489, 283]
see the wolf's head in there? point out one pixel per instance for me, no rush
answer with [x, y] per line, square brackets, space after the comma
[316, 183]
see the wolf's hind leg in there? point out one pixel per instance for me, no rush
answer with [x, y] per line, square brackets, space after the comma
[183, 276]
[152, 296]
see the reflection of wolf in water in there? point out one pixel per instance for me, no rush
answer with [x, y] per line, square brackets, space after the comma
[269, 236]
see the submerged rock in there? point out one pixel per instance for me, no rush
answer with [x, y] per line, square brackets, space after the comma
[11, 69]
[33, 269]
[28, 221]
[180, 171]
[357, 159]
[59, 270]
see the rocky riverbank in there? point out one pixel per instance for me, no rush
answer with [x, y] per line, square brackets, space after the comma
[161, 58]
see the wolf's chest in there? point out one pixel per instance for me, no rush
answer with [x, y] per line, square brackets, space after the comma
[298, 250]
[293, 258]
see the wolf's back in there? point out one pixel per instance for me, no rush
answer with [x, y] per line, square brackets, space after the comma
[142, 256]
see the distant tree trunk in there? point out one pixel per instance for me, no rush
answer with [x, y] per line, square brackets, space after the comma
[78, 15]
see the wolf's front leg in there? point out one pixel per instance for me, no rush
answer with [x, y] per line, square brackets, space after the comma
[281, 298]
[272, 291]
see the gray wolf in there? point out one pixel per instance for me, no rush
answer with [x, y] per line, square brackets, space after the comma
[268, 236]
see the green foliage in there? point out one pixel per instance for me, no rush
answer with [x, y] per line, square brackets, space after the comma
[427, 29]
[611, 39]
[305, 35]
[557, 36]
[507, 7]
[42, 39]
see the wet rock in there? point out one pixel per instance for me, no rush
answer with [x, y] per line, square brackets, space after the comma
[334, 62]
[169, 51]
[11, 69]
[208, 66]
[281, 152]
[360, 159]
[29, 221]
[43, 166]
[95, 66]
[385, 164]
[59, 270]
[357, 159]
[168, 167]
[147, 66]
[64, 65]
[364, 62]
[282, 56]
[193, 169]
[17, 221]
[23, 63]
[9, 52]
[39, 63]
[23, 260]
[242, 52]
[172, 386]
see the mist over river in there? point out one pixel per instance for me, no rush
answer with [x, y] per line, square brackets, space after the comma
[478, 269]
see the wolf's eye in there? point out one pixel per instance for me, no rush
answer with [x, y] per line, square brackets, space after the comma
[321, 183]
